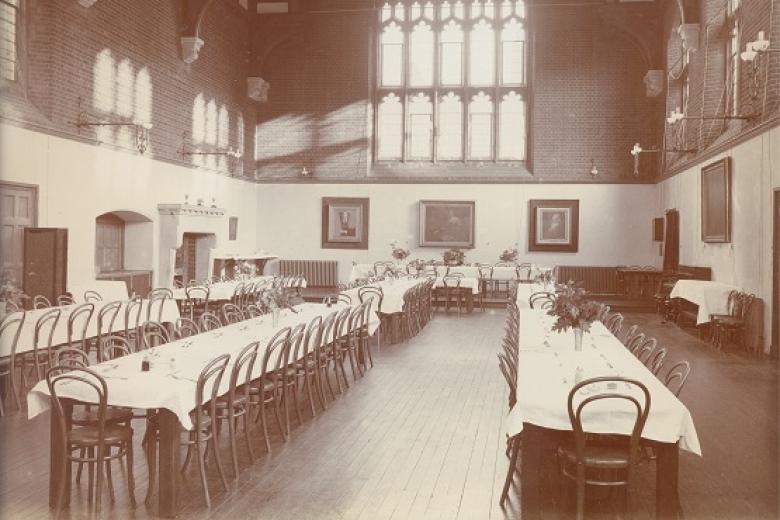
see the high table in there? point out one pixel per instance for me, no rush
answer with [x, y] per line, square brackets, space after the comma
[170, 387]
[546, 370]
[500, 273]
[711, 297]
[525, 290]
[26, 343]
[393, 291]
[109, 290]
[225, 290]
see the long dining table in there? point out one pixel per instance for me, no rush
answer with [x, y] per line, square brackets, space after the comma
[26, 343]
[169, 386]
[393, 291]
[548, 368]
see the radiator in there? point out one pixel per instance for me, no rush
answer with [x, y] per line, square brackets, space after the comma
[318, 273]
[595, 279]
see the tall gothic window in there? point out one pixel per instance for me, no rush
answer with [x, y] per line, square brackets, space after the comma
[9, 39]
[732, 55]
[451, 81]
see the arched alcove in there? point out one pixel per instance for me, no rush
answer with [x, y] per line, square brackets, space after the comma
[124, 246]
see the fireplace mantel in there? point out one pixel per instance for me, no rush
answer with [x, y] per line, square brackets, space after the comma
[190, 210]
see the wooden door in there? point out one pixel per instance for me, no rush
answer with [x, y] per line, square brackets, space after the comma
[776, 279]
[17, 211]
[186, 257]
[45, 262]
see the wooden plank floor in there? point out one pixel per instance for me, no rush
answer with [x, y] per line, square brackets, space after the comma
[420, 437]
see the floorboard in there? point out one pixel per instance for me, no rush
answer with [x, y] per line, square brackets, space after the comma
[420, 437]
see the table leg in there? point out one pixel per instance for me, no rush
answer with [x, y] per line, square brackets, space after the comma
[169, 489]
[539, 474]
[667, 499]
[59, 468]
[469, 301]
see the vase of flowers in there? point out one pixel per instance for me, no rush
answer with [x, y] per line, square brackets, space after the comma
[273, 301]
[399, 253]
[454, 257]
[573, 310]
[509, 255]
[10, 292]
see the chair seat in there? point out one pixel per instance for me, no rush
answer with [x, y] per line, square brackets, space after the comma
[238, 402]
[728, 320]
[88, 435]
[599, 456]
[89, 416]
[268, 386]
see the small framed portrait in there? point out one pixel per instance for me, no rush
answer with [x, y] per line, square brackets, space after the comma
[344, 223]
[447, 223]
[232, 228]
[716, 202]
[554, 225]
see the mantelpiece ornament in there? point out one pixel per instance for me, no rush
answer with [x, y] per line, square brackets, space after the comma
[190, 210]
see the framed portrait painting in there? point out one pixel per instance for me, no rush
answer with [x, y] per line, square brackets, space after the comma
[716, 202]
[554, 225]
[344, 223]
[447, 223]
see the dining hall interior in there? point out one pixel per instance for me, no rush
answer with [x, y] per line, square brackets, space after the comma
[389, 259]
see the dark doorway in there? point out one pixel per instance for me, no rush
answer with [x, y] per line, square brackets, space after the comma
[776, 278]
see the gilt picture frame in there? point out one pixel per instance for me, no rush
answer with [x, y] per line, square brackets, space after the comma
[554, 225]
[345, 223]
[446, 223]
[716, 202]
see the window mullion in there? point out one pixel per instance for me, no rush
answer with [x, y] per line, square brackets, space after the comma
[497, 57]
[406, 25]
[468, 27]
[436, 26]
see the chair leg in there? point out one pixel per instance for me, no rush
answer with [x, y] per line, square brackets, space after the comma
[510, 472]
[202, 472]
[307, 384]
[109, 481]
[294, 390]
[232, 440]
[215, 450]
[248, 436]
[264, 424]
[151, 464]
[99, 479]
[90, 452]
[130, 475]
[580, 492]
[278, 414]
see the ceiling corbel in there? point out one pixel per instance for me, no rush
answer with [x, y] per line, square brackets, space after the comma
[192, 13]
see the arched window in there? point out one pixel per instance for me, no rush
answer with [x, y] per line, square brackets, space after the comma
[451, 81]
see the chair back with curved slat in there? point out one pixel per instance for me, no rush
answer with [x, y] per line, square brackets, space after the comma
[656, 361]
[44, 327]
[157, 299]
[635, 342]
[154, 334]
[209, 321]
[645, 350]
[541, 300]
[106, 319]
[91, 296]
[40, 302]
[11, 326]
[186, 327]
[371, 292]
[312, 337]
[523, 272]
[630, 333]
[327, 328]
[241, 373]
[274, 349]
[207, 388]
[614, 323]
[78, 321]
[197, 300]
[65, 299]
[252, 311]
[70, 357]
[115, 347]
[677, 376]
[231, 313]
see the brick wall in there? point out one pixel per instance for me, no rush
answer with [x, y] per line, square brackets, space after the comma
[758, 88]
[120, 60]
[589, 101]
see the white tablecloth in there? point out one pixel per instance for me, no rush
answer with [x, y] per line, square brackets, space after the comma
[225, 290]
[711, 297]
[170, 313]
[109, 290]
[499, 272]
[171, 382]
[546, 370]
[465, 282]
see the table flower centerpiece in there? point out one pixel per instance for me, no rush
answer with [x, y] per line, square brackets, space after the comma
[573, 310]
[9, 292]
[399, 253]
[272, 301]
[509, 255]
[454, 257]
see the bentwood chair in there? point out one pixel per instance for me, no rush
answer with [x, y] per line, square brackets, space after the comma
[106, 319]
[656, 361]
[78, 321]
[306, 363]
[541, 300]
[727, 327]
[92, 296]
[645, 350]
[185, 328]
[209, 321]
[114, 347]
[635, 343]
[154, 334]
[377, 295]
[157, 299]
[133, 321]
[267, 389]
[11, 327]
[235, 404]
[677, 376]
[197, 302]
[42, 354]
[614, 323]
[65, 299]
[603, 460]
[90, 444]
[629, 335]
[40, 302]
[322, 355]
[289, 374]
[252, 311]
[231, 313]
[453, 293]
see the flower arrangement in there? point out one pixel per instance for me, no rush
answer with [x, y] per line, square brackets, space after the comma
[10, 292]
[508, 255]
[454, 256]
[273, 298]
[573, 308]
[399, 253]
[545, 277]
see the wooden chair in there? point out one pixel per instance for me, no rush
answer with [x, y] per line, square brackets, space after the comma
[114, 347]
[90, 444]
[614, 323]
[65, 299]
[197, 302]
[106, 319]
[78, 321]
[11, 325]
[42, 354]
[252, 311]
[289, 374]
[635, 343]
[154, 334]
[267, 389]
[40, 302]
[677, 376]
[524, 272]
[157, 299]
[377, 295]
[453, 295]
[727, 327]
[591, 460]
[133, 321]
[541, 300]
[185, 328]
[306, 363]
[629, 335]
[322, 355]
[656, 361]
[209, 321]
[92, 296]
[235, 404]
[645, 350]
[231, 313]
[337, 298]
